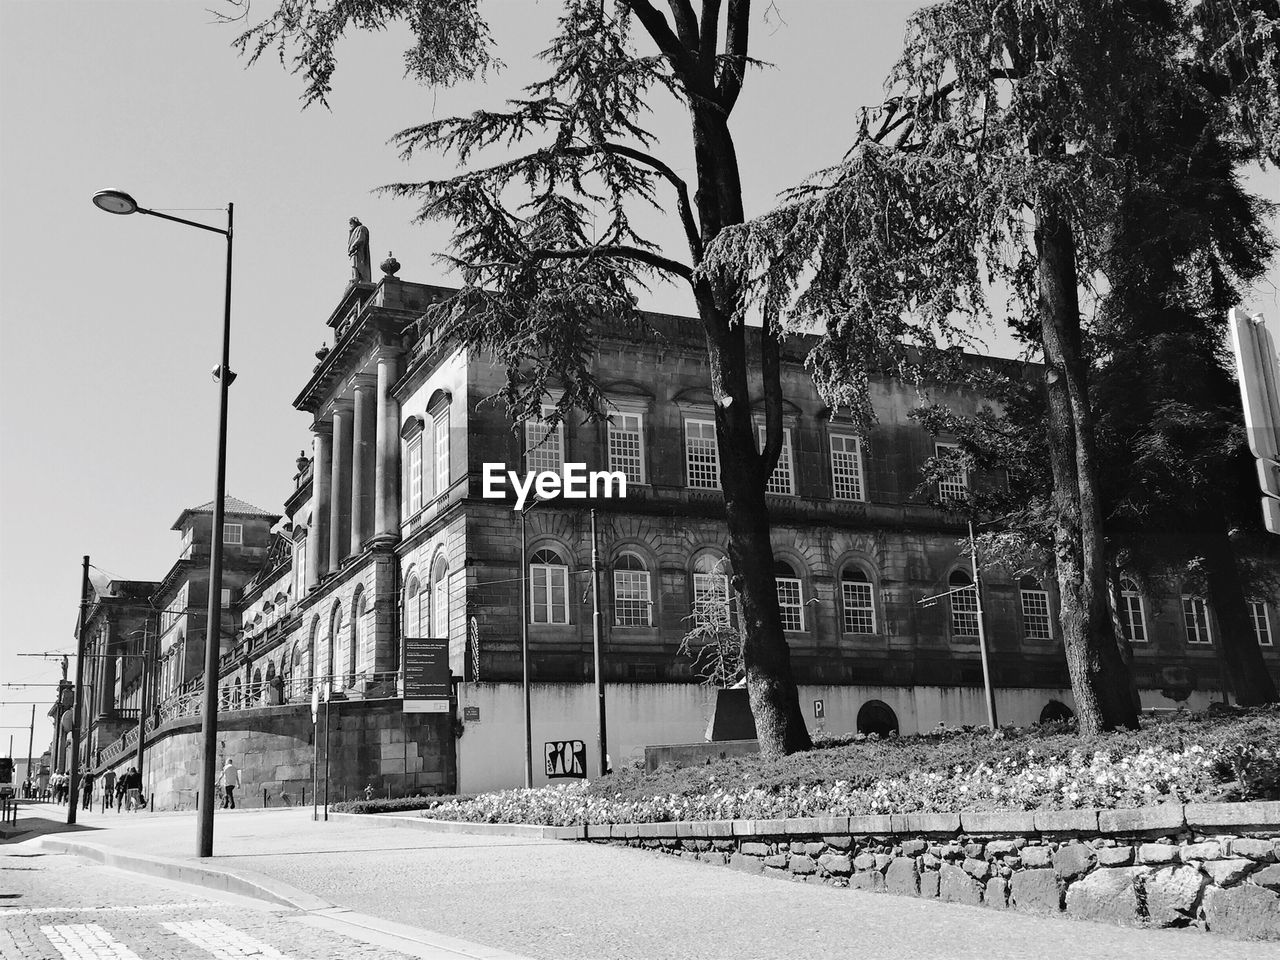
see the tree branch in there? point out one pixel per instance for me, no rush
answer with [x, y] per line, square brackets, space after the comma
[771, 373]
[682, 188]
[637, 254]
[686, 23]
[668, 43]
[710, 36]
[737, 31]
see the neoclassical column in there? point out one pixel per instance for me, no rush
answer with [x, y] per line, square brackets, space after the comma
[340, 485]
[386, 524]
[363, 451]
[318, 534]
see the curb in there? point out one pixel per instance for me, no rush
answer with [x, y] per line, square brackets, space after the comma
[530, 831]
[413, 941]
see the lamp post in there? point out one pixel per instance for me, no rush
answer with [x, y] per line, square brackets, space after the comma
[119, 202]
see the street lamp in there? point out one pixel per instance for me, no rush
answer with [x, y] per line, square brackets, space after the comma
[119, 202]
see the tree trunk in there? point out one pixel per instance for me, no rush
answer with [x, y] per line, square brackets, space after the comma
[1247, 674]
[1099, 680]
[1122, 642]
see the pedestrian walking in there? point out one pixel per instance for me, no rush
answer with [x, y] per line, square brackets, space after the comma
[109, 788]
[229, 779]
[133, 788]
[122, 784]
[86, 791]
[42, 785]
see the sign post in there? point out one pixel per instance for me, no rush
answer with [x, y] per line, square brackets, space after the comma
[315, 752]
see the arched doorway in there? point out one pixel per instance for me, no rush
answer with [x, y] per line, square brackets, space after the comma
[877, 717]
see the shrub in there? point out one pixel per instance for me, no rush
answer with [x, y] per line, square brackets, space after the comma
[384, 805]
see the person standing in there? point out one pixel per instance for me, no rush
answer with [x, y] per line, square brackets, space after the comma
[86, 791]
[42, 784]
[109, 788]
[229, 780]
[133, 788]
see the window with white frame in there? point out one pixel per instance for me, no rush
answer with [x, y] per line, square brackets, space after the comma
[548, 588]
[710, 590]
[413, 474]
[440, 598]
[441, 446]
[632, 597]
[412, 620]
[626, 445]
[233, 533]
[846, 467]
[1035, 611]
[782, 480]
[951, 486]
[544, 447]
[964, 605]
[790, 597]
[1195, 619]
[1133, 614]
[1259, 612]
[857, 600]
[701, 455]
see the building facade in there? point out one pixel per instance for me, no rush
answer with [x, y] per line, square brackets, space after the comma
[389, 532]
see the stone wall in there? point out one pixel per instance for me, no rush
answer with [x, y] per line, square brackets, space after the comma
[1208, 866]
[370, 743]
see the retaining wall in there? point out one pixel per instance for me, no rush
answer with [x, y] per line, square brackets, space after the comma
[1210, 866]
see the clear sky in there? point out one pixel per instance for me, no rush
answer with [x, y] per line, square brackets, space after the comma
[109, 326]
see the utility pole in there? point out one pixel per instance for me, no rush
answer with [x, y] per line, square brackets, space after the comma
[601, 735]
[31, 740]
[73, 792]
[982, 632]
[142, 693]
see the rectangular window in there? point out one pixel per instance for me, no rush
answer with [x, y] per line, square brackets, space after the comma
[226, 598]
[1195, 619]
[300, 568]
[710, 599]
[780, 481]
[702, 457]
[859, 610]
[442, 450]
[233, 533]
[631, 603]
[1132, 621]
[964, 612]
[953, 486]
[846, 467]
[414, 472]
[548, 593]
[1035, 614]
[791, 603]
[1261, 622]
[544, 447]
[626, 446]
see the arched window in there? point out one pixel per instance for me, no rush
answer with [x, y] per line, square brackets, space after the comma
[440, 445]
[632, 597]
[271, 671]
[876, 716]
[1035, 610]
[548, 588]
[857, 600]
[710, 589]
[1195, 617]
[298, 671]
[412, 623]
[440, 597]
[335, 633]
[964, 606]
[255, 691]
[1133, 612]
[790, 596]
[235, 694]
[312, 651]
[356, 647]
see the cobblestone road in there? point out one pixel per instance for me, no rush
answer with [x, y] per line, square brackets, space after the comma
[57, 907]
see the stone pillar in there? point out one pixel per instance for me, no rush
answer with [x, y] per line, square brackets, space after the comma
[340, 485]
[386, 525]
[318, 534]
[363, 451]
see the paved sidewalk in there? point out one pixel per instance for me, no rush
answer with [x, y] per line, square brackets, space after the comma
[549, 899]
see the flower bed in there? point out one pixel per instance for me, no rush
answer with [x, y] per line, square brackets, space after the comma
[1171, 760]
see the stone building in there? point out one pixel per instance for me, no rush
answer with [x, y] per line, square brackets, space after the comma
[388, 533]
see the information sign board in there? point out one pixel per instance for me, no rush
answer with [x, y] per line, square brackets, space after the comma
[566, 758]
[425, 661]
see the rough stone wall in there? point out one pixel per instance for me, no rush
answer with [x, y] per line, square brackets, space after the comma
[370, 743]
[1215, 867]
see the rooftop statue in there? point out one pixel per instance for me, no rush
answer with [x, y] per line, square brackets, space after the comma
[358, 250]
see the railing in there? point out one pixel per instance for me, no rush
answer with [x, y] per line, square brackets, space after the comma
[277, 691]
